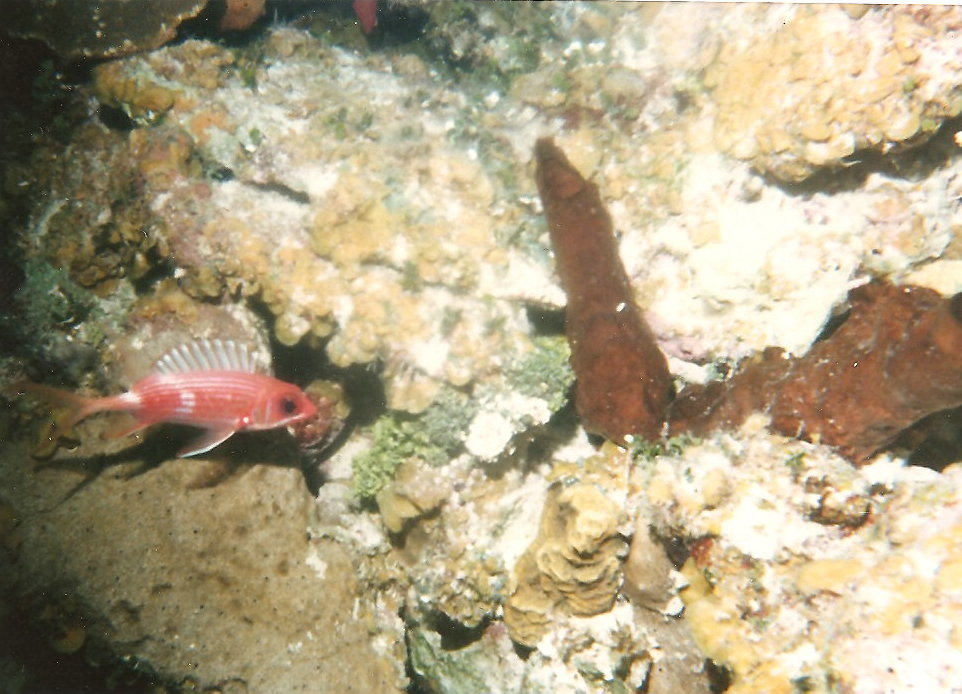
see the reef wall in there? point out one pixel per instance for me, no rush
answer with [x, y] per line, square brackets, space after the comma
[365, 210]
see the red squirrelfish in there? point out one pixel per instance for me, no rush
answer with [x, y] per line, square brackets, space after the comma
[215, 385]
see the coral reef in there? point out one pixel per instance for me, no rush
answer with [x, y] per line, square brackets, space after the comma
[307, 237]
[365, 210]
[805, 606]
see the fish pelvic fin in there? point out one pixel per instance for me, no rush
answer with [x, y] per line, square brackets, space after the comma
[209, 439]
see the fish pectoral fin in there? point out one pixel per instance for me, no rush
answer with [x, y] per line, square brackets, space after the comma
[207, 440]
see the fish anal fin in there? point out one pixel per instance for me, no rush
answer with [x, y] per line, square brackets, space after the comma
[206, 441]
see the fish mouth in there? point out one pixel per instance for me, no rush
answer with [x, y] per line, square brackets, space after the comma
[299, 417]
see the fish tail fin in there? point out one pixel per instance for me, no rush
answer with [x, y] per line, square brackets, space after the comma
[72, 407]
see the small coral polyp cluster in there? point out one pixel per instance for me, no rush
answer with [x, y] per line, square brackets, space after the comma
[878, 85]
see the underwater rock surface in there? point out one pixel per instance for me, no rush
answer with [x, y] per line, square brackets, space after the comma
[219, 585]
[368, 213]
[106, 28]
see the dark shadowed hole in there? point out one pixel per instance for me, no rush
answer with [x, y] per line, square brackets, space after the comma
[546, 321]
[363, 387]
[523, 652]
[115, 119]
[398, 24]
[935, 441]
[222, 174]
[955, 307]
[719, 678]
[455, 635]
[26, 644]
[914, 163]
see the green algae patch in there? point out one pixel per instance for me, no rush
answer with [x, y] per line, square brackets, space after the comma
[434, 437]
[545, 372]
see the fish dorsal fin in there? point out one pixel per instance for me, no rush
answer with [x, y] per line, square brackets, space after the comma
[209, 355]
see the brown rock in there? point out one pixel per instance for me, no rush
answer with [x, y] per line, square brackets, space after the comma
[103, 28]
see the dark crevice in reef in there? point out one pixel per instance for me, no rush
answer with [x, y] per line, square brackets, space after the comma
[455, 635]
[296, 196]
[935, 441]
[915, 164]
[397, 24]
[115, 118]
[719, 677]
[38, 635]
[546, 322]
[207, 26]
[160, 267]
[306, 362]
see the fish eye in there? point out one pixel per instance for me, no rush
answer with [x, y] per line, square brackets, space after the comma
[288, 405]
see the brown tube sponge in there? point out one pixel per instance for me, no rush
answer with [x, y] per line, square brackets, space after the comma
[623, 385]
[896, 359]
